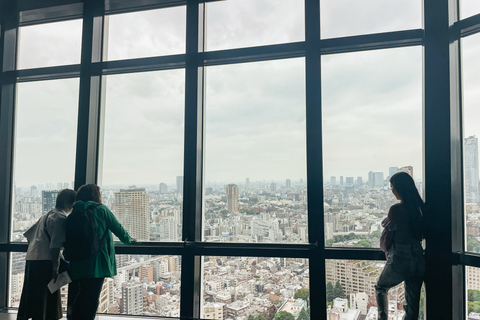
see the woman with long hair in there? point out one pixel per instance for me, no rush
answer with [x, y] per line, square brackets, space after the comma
[401, 242]
[88, 274]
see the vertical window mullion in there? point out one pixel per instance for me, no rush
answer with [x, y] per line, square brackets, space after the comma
[8, 52]
[314, 158]
[86, 165]
[193, 161]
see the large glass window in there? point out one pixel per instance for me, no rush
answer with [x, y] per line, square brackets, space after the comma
[45, 144]
[145, 33]
[255, 287]
[142, 179]
[372, 128]
[245, 23]
[469, 8]
[255, 156]
[50, 44]
[471, 131]
[472, 285]
[340, 18]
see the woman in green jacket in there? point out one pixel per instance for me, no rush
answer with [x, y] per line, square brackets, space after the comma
[88, 275]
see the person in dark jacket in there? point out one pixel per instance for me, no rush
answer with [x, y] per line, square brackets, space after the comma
[45, 241]
[401, 241]
[88, 275]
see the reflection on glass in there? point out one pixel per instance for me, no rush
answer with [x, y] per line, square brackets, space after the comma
[50, 44]
[146, 33]
[262, 288]
[245, 23]
[372, 128]
[45, 144]
[255, 162]
[471, 131]
[469, 8]
[472, 279]
[144, 285]
[340, 18]
[142, 180]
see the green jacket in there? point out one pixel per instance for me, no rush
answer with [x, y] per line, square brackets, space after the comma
[103, 263]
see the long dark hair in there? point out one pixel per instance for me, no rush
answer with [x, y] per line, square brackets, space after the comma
[405, 187]
[89, 192]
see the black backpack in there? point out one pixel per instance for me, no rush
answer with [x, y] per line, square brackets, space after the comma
[81, 238]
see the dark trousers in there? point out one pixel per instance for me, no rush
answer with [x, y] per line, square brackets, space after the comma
[404, 263]
[83, 298]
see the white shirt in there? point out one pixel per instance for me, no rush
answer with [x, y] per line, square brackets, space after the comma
[38, 243]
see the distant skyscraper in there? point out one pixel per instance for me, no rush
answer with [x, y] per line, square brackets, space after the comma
[180, 184]
[392, 171]
[471, 169]
[132, 208]
[48, 200]
[333, 180]
[341, 180]
[407, 169]
[359, 181]
[33, 191]
[288, 183]
[162, 187]
[273, 187]
[378, 179]
[349, 181]
[232, 197]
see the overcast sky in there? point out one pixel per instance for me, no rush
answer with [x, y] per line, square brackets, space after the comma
[255, 112]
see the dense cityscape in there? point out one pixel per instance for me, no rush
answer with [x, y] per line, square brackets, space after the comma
[249, 288]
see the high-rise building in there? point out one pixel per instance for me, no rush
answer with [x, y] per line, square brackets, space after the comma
[392, 171]
[333, 180]
[133, 211]
[407, 169]
[288, 183]
[378, 179]
[349, 181]
[162, 188]
[132, 299]
[247, 184]
[179, 184]
[273, 187]
[471, 169]
[341, 180]
[232, 197]
[359, 181]
[48, 200]
[33, 191]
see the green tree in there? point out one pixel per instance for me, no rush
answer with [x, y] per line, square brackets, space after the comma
[330, 290]
[304, 314]
[473, 245]
[283, 315]
[473, 295]
[302, 294]
[338, 291]
[473, 306]
[260, 317]
[250, 317]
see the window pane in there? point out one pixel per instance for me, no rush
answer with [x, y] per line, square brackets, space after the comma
[144, 285]
[143, 152]
[45, 145]
[50, 44]
[471, 131]
[235, 287]
[372, 128]
[469, 8]
[245, 23]
[472, 278]
[255, 158]
[351, 291]
[146, 33]
[341, 18]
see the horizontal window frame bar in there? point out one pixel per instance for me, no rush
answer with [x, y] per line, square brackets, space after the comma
[169, 62]
[45, 73]
[59, 13]
[386, 40]
[468, 26]
[235, 249]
